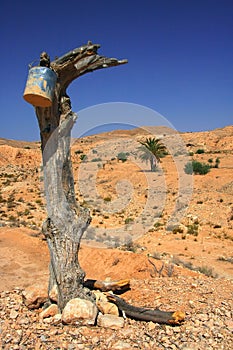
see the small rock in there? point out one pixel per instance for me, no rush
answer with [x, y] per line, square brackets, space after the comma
[43, 338]
[169, 330]
[35, 296]
[203, 317]
[229, 325]
[110, 321]
[79, 311]
[23, 321]
[57, 319]
[13, 314]
[228, 314]
[151, 326]
[52, 310]
[53, 294]
[120, 345]
[176, 330]
[191, 304]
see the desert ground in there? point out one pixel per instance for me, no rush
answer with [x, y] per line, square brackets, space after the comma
[180, 252]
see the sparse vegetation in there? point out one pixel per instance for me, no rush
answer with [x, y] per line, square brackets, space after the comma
[177, 229]
[128, 220]
[200, 151]
[196, 167]
[83, 157]
[217, 162]
[96, 160]
[206, 270]
[158, 224]
[122, 156]
[226, 259]
[130, 246]
[193, 229]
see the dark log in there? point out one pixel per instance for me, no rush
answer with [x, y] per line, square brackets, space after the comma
[145, 314]
[67, 220]
[106, 286]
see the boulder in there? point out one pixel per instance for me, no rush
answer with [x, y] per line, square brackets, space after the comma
[104, 306]
[35, 296]
[79, 312]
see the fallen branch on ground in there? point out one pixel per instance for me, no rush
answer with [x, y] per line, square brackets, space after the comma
[106, 286]
[145, 314]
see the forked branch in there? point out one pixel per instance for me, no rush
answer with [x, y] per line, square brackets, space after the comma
[82, 60]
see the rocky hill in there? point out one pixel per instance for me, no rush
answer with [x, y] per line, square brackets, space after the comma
[170, 232]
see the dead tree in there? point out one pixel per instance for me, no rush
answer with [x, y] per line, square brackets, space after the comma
[67, 219]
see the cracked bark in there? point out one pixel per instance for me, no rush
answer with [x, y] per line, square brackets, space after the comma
[67, 220]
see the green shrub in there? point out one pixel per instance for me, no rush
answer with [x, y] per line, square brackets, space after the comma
[193, 229]
[128, 220]
[158, 224]
[177, 229]
[96, 160]
[83, 157]
[122, 156]
[208, 271]
[200, 151]
[217, 162]
[196, 168]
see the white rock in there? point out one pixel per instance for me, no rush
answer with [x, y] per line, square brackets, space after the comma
[120, 345]
[110, 321]
[79, 312]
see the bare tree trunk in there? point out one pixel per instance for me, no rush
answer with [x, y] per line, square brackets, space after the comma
[67, 220]
[153, 163]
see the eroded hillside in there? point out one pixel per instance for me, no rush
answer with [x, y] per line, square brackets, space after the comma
[127, 200]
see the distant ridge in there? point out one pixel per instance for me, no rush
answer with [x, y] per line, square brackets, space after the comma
[19, 143]
[144, 130]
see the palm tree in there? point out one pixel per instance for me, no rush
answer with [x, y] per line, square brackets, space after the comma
[152, 150]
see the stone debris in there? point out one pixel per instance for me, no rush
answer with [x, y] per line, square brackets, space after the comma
[208, 324]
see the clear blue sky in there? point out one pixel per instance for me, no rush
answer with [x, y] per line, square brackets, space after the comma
[180, 56]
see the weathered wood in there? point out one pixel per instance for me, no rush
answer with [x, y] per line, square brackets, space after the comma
[145, 314]
[119, 286]
[67, 220]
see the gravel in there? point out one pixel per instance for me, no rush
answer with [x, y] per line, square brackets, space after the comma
[208, 325]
